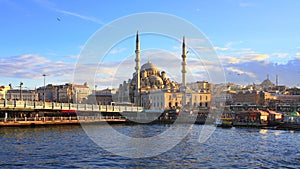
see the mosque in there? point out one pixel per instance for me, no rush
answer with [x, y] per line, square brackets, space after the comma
[152, 89]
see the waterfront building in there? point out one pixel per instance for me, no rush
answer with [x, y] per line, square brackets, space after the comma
[101, 97]
[201, 86]
[25, 95]
[251, 118]
[56, 93]
[281, 99]
[294, 91]
[81, 93]
[122, 93]
[164, 99]
[248, 97]
[49, 91]
[66, 93]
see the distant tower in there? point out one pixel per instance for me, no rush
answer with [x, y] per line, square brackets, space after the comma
[276, 80]
[137, 70]
[267, 76]
[183, 71]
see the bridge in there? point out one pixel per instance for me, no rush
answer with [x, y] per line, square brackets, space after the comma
[32, 113]
[38, 105]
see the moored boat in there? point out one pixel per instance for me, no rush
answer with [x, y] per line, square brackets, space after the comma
[224, 122]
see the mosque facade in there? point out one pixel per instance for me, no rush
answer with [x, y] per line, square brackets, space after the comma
[152, 89]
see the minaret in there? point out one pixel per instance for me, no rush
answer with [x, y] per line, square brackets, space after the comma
[183, 71]
[276, 80]
[137, 70]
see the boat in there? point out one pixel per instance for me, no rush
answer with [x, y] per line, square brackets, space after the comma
[224, 122]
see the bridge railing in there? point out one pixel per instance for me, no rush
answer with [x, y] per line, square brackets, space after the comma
[66, 106]
[69, 118]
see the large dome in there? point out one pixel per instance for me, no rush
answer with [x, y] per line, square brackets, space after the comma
[267, 83]
[149, 66]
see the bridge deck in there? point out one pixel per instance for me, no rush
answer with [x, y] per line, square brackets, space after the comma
[33, 105]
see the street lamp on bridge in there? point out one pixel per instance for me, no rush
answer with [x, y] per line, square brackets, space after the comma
[44, 96]
[21, 84]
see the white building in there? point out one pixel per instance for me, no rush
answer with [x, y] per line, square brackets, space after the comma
[164, 99]
[26, 95]
[81, 93]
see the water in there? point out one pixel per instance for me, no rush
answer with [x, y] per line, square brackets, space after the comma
[69, 147]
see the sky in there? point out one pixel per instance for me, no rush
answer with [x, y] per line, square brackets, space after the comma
[252, 39]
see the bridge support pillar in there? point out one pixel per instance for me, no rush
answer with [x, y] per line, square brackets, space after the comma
[5, 118]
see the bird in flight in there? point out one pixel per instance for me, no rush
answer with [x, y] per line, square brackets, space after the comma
[58, 19]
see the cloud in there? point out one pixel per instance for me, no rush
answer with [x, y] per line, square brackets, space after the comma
[87, 18]
[288, 73]
[245, 4]
[280, 55]
[71, 56]
[239, 72]
[254, 57]
[229, 59]
[50, 5]
[246, 69]
[243, 59]
[30, 66]
[298, 55]
[192, 41]
[220, 48]
[116, 51]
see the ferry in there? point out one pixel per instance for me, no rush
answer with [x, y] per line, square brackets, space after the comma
[224, 122]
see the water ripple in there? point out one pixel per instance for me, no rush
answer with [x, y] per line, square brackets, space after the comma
[69, 147]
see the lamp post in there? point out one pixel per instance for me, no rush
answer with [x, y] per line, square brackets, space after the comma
[21, 84]
[44, 96]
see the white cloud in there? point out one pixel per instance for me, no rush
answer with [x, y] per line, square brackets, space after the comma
[240, 72]
[280, 55]
[254, 57]
[245, 4]
[298, 55]
[50, 5]
[87, 18]
[31, 66]
[243, 59]
[220, 48]
[116, 51]
[71, 56]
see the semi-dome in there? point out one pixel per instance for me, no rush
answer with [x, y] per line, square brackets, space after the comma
[156, 80]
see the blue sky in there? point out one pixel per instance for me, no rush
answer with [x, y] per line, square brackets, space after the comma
[252, 38]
